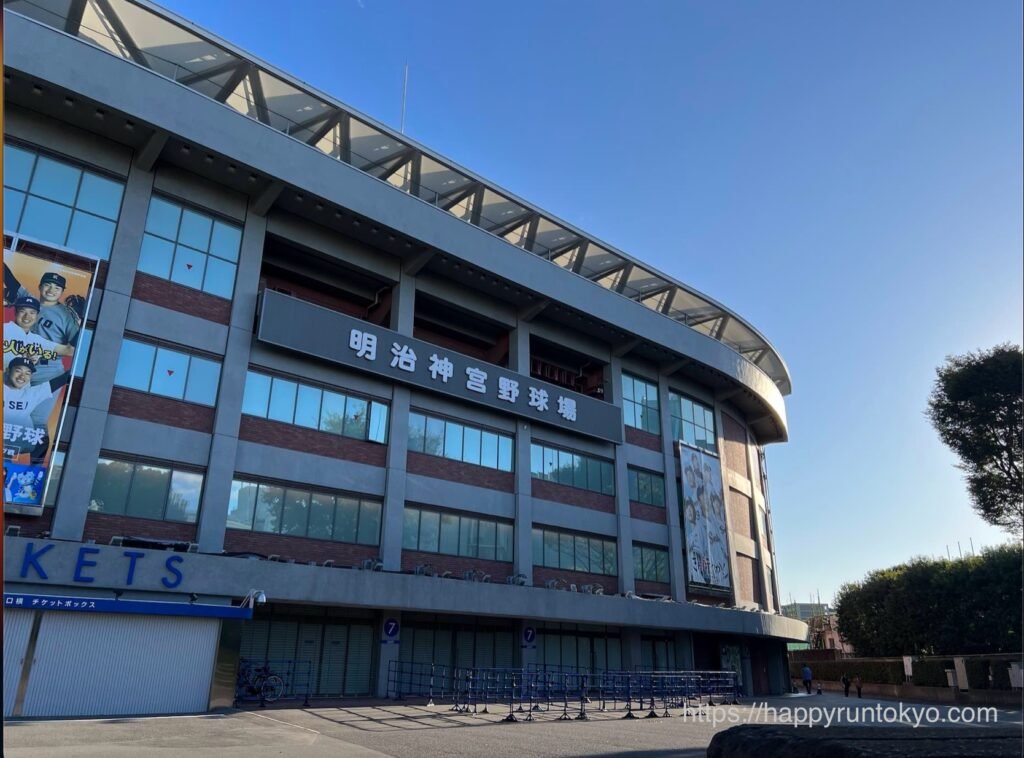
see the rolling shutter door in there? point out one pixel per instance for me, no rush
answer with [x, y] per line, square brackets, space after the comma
[600, 655]
[359, 660]
[332, 660]
[423, 646]
[614, 654]
[568, 657]
[307, 659]
[583, 654]
[504, 650]
[464, 650]
[484, 657]
[254, 640]
[552, 650]
[443, 648]
[17, 627]
[116, 664]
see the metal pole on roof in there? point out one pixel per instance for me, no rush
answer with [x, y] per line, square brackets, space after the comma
[405, 91]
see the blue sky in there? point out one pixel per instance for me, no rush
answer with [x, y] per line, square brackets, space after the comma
[847, 176]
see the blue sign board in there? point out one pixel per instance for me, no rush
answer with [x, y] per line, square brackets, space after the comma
[529, 637]
[18, 601]
[391, 628]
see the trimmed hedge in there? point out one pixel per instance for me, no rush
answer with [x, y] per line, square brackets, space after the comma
[1001, 675]
[871, 672]
[977, 674]
[931, 673]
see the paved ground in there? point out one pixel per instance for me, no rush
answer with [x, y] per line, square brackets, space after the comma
[402, 731]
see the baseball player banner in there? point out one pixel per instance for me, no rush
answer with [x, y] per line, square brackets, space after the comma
[46, 299]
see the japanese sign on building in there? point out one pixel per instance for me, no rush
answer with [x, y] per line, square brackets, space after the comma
[361, 345]
[46, 298]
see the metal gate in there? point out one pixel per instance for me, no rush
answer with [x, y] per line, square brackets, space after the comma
[17, 626]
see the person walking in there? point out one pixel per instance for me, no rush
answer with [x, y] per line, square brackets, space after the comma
[846, 685]
[858, 683]
[807, 678]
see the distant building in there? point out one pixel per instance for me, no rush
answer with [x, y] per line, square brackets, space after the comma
[804, 611]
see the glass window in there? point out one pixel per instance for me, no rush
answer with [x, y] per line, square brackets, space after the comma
[487, 535]
[471, 445]
[634, 487]
[449, 534]
[307, 407]
[582, 553]
[611, 566]
[195, 230]
[536, 461]
[56, 469]
[640, 404]
[156, 256]
[163, 218]
[650, 564]
[430, 531]
[148, 494]
[82, 353]
[13, 203]
[345, 519]
[241, 505]
[321, 516]
[226, 241]
[17, 167]
[566, 551]
[295, 516]
[183, 500]
[504, 549]
[468, 536]
[453, 441]
[417, 432]
[220, 278]
[110, 486]
[332, 412]
[369, 523]
[538, 547]
[638, 562]
[411, 528]
[55, 180]
[550, 464]
[91, 233]
[434, 443]
[100, 196]
[169, 373]
[568, 468]
[693, 423]
[565, 467]
[135, 365]
[356, 411]
[378, 422]
[658, 490]
[551, 549]
[282, 401]
[203, 380]
[256, 395]
[596, 556]
[188, 267]
[489, 450]
[607, 478]
[269, 502]
[45, 219]
[661, 565]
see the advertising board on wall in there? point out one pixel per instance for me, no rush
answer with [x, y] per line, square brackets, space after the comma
[704, 524]
[46, 300]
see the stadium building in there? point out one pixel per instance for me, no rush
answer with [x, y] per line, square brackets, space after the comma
[328, 368]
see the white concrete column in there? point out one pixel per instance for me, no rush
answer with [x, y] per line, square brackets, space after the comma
[389, 636]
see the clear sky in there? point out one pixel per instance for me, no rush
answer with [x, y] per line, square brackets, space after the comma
[846, 176]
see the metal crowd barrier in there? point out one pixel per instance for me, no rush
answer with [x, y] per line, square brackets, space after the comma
[550, 689]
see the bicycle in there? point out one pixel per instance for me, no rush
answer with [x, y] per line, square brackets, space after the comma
[258, 681]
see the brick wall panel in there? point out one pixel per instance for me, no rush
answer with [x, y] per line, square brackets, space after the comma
[740, 513]
[641, 438]
[456, 471]
[647, 512]
[161, 410]
[734, 444]
[301, 549]
[542, 574]
[652, 588]
[31, 526]
[177, 297]
[102, 526]
[458, 565]
[562, 493]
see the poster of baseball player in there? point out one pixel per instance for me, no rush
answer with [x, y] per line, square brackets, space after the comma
[46, 298]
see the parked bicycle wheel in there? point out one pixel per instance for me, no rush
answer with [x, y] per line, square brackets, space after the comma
[273, 688]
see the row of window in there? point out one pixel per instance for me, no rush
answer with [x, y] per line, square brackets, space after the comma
[460, 442]
[283, 400]
[145, 491]
[572, 469]
[171, 373]
[692, 422]
[574, 552]
[646, 487]
[650, 564]
[58, 202]
[640, 404]
[454, 534]
[301, 513]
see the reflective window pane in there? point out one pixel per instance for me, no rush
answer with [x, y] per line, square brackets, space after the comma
[282, 401]
[45, 220]
[55, 180]
[110, 486]
[356, 412]
[220, 278]
[307, 407]
[203, 379]
[321, 516]
[486, 538]
[468, 536]
[241, 504]
[449, 534]
[369, 523]
[505, 453]
[256, 395]
[195, 230]
[471, 445]
[225, 241]
[434, 441]
[417, 430]
[489, 449]
[453, 441]
[332, 412]
[566, 551]
[378, 423]
[538, 547]
[156, 256]
[91, 234]
[148, 495]
[183, 500]
[188, 267]
[269, 502]
[536, 461]
[411, 528]
[169, 373]
[14, 201]
[135, 365]
[17, 167]
[345, 517]
[295, 515]
[504, 548]
[611, 566]
[56, 469]
[163, 218]
[82, 353]
[551, 549]
[100, 195]
[430, 531]
[582, 553]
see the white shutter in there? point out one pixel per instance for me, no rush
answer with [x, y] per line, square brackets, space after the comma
[17, 628]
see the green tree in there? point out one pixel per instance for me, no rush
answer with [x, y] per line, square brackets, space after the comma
[936, 607]
[977, 407]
